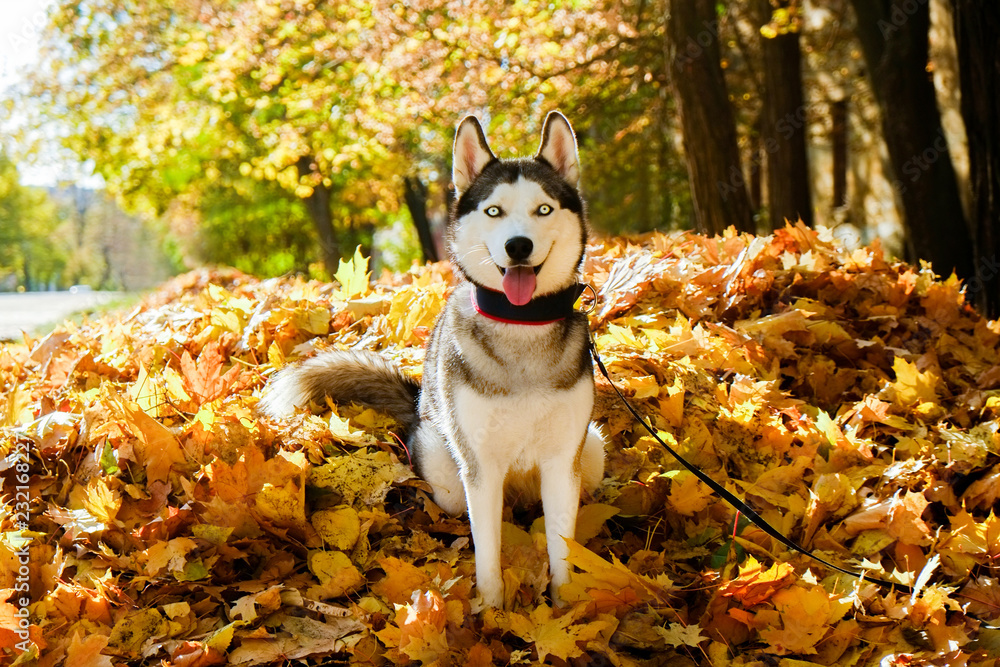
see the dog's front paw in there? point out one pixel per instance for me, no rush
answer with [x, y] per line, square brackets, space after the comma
[559, 580]
[491, 592]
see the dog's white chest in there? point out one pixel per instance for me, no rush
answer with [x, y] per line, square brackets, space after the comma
[521, 430]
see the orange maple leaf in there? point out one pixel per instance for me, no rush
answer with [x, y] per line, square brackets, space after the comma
[204, 379]
[400, 581]
[755, 584]
[86, 651]
[422, 626]
[161, 451]
[905, 523]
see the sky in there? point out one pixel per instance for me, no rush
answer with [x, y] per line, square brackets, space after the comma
[20, 22]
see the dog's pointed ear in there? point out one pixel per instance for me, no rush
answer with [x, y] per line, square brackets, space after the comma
[559, 147]
[471, 153]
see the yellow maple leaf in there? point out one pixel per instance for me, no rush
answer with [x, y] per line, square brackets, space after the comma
[149, 394]
[268, 600]
[221, 639]
[169, 556]
[806, 616]
[681, 635]
[413, 311]
[774, 325]
[283, 505]
[135, 629]
[360, 475]
[15, 406]
[276, 356]
[608, 586]
[643, 386]
[688, 494]
[873, 514]
[591, 519]
[339, 527]
[314, 319]
[969, 538]
[672, 407]
[943, 302]
[623, 336]
[353, 276]
[102, 501]
[556, 636]
[912, 386]
[336, 573]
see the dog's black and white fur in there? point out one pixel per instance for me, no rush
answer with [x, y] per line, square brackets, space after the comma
[508, 387]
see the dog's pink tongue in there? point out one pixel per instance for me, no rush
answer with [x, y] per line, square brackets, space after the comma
[519, 284]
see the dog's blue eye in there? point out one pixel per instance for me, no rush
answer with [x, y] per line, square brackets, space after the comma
[544, 209]
[494, 211]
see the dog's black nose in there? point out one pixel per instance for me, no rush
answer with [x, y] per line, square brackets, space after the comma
[518, 248]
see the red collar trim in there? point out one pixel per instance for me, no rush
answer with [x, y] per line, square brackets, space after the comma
[546, 309]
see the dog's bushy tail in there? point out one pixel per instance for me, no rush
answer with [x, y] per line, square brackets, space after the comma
[344, 376]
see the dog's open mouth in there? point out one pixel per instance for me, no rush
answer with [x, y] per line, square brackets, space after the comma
[519, 283]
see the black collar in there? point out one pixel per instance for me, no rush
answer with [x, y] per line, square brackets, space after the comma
[542, 310]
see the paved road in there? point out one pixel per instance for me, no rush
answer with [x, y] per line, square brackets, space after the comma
[33, 310]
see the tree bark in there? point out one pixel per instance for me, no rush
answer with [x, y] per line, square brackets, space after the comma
[894, 39]
[415, 196]
[838, 142]
[783, 126]
[81, 202]
[718, 188]
[318, 206]
[977, 25]
[756, 166]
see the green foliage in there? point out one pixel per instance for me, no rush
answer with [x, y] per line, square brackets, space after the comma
[237, 114]
[398, 245]
[263, 232]
[29, 249]
[202, 110]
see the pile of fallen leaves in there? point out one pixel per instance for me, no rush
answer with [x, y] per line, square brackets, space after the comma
[852, 401]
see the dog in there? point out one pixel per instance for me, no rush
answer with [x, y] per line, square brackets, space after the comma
[504, 406]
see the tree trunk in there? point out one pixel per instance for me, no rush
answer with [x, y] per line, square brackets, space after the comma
[665, 174]
[756, 165]
[977, 25]
[82, 204]
[415, 196]
[26, 271]
[718, 188]
[318, 206]
[838, 142]
[784, 126]
[894, 39]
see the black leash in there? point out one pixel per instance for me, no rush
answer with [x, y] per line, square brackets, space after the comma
[726, 495]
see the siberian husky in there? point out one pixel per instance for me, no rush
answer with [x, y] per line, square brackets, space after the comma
[508, 386]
